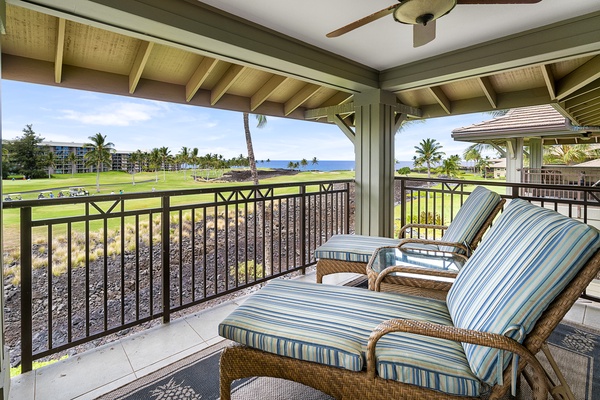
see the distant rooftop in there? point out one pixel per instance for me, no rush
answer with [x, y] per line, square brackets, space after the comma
[529, 122]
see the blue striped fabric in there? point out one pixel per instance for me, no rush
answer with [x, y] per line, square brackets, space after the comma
[523, 263]
[331, 325]
[470, 218]
[356, 248]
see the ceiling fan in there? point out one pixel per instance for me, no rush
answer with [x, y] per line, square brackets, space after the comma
[421, 14]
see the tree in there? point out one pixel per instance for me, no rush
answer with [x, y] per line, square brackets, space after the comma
[483, 164]
[72, 159]
[164, 154]
[428, 153]
[567, 154]
[303, 163]
[404, 171]
[27, 154]
[472, 153]
[194, 160]
[314, 162]
[451, 166]
[134, 159]
[49, 161]
[261, 121]
[100, 153]
[291, 165]
[154, 161]
[184, 157]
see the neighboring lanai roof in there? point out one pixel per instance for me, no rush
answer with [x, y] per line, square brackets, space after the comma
[529, 122]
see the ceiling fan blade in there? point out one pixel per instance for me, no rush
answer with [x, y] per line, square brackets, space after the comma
[423, 34]
[363, 21]
[497, 1]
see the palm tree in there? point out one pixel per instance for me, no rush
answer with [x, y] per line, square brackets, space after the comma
[154, 161]
[134, 159]
[72, 159]
[194, 160]
[472, 153]
[314, 162]
[483, 164]
[303, 163]
[164, 154]
[291, 165]
[100, 153]
[567, 154]
[184, 157]
[428, 152]
[261, 121]
[50, 161]
[451, 166]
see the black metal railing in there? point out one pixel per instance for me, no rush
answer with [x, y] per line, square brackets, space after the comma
[93, 266]
[436, 201]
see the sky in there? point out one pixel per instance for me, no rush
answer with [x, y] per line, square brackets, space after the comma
[68, 115]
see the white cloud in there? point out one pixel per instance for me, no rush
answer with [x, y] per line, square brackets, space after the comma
[114, 114]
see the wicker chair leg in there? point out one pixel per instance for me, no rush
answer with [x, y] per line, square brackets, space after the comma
[562, 391]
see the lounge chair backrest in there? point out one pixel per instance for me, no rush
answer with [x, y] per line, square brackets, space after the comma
[470, 217]
[528, 257]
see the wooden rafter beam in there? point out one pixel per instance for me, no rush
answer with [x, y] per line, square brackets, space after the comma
[60, 49]
[585, 107]
[348, 108]
[441, 98]
[139, 64]
[266, 90]
[343, 125]
[299, 98]
[549, 79]
[488, 90]
[589, 96]
[199, 76]
[232, 74]
[585, 74]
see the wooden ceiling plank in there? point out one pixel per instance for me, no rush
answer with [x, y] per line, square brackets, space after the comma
[296, 101]
[488, 90]
[199, 76]
[549, 79]
[585, 74]
[139, 63]
[441, 98]
[225, 83]
[266, 90]
[60, 49]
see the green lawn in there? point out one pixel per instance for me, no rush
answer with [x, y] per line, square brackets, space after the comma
[116, 181]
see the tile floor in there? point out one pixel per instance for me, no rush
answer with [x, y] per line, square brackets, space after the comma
[93, 373]
[106, 368]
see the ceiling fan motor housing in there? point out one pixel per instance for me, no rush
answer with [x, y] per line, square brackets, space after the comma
[420, 12]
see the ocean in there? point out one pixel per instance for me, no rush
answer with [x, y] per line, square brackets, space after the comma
[322, 165]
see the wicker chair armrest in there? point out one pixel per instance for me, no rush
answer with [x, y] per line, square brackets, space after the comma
[425, 226]
[494, 340]
[437, 243]
[419, 282]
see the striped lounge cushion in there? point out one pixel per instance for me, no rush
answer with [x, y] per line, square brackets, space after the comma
[356, 248]
[470, 218]
[331, 325]
[525, 261]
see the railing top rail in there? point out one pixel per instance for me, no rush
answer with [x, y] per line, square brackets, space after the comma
[503, 184]
[161, 193]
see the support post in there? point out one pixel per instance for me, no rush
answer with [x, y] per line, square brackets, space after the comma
[374, 154]
[536, 160]
[514, 160]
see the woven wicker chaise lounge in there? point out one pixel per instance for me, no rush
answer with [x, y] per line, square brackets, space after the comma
[353, 343]
[351, 253]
